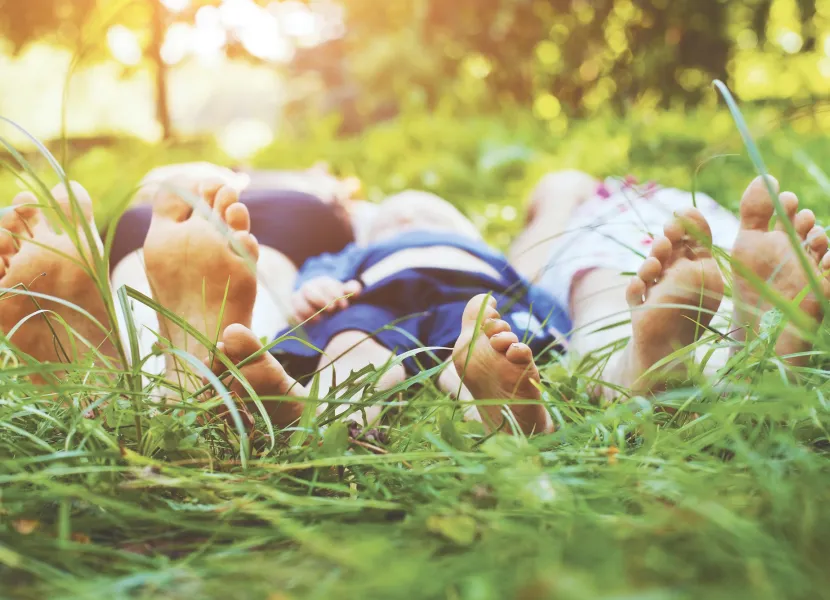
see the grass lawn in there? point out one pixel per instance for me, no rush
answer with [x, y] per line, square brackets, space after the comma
[726, 496]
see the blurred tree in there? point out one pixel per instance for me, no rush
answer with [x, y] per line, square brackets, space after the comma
[82, 26]
[582, 53]
[807, 11]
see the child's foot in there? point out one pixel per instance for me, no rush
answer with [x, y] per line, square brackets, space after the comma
[672, 299]
[195, 272]
[494, 365]
[34, 257]
[265, 375]
[771, 257]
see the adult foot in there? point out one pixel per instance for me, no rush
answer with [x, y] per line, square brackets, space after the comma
[264, 374]
[672, 300]
[494, 365]
[772, 258]
[33, 257]
[195, 271]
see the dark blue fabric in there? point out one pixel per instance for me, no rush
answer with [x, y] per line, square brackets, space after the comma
[295, 223]
[422, 307]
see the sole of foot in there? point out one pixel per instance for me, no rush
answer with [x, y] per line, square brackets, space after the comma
[264, 374]
[672, 298]
[772, 258]
[194, 270]
[494, 365]
[36, 258]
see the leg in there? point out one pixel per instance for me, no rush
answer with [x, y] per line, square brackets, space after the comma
[352, 351]
[494, 365]
[599, 311]
[38, 259]
[552, 202]
[770, 257]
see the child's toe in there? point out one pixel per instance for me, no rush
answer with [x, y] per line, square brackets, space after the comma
[494, 326]
[474, 309]
[636, 292]
[501, 342]
[519, 354]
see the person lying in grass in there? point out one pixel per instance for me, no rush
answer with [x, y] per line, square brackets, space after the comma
[203, 279]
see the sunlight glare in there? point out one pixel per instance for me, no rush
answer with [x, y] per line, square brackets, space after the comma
[176, 5]
[243, 138]
[177, 43]
[239, 13]
[123, 45]
[209, 38]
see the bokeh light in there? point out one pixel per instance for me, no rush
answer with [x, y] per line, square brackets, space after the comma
[123, 45]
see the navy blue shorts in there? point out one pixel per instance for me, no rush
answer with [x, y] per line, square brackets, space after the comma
[421, 310]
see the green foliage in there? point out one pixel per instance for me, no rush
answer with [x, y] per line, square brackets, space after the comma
[725, 498]
[576, 57]
[723, 495]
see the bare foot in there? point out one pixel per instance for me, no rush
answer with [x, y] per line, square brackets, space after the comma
[679, 273]
[771, 257]
[265, 375]
[196, 273]
[494, 365]
[37, 258]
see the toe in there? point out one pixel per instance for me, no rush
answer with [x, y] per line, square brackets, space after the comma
[249, 243]
[15, 224]
[817, 240]
[501, 342]
[789, 202]
[696, 225]
[237, 217]
[756, 205]
[476, 307]
[825, 265]
[239, 342]
[169, 205]
[493, 326]
[519, 354]
[697, 240]
[651, 270]
[74, 196]
[212, 363]
[804, 222]
[26, 205]
[225, 198]
[661, 249]
[209, 189]
[636, 291]
[8, 245]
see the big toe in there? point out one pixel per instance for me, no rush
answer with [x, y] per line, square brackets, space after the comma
[240, 342]
[757, 206]
[482, 306]
[690, 231]
[169, 200]
[73, 201]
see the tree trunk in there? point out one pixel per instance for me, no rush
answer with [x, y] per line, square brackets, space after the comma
[158, 29]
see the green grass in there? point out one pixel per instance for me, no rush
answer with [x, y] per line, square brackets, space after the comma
[725, 496]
